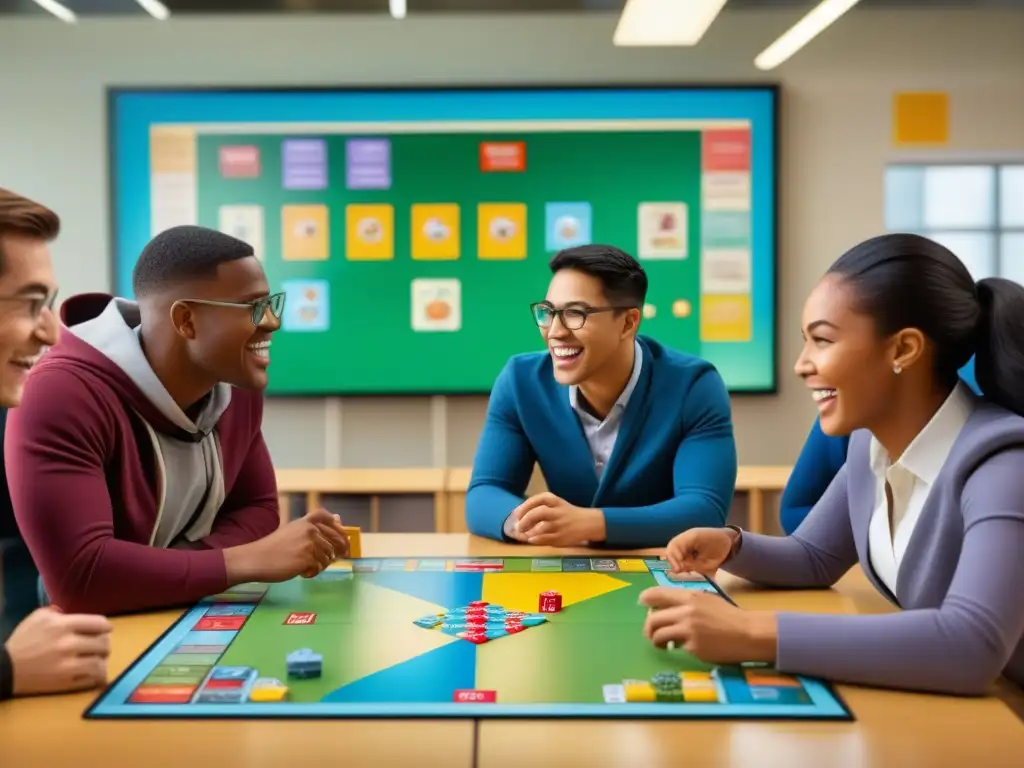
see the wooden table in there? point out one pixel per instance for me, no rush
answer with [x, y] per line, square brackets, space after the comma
[892, 729]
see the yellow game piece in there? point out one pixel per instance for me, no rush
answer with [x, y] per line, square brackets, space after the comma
[696, 678]
[639, 691]
[700, 694]
[355, 544]
[699, 687]
[269, 694]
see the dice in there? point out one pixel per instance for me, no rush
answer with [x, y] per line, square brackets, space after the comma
[550, 602]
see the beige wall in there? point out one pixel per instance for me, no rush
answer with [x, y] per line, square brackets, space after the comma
[835, 144]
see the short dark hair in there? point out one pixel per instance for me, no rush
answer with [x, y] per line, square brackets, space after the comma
[184, 253]
[909, 281]
[21, 216]
[623, 279]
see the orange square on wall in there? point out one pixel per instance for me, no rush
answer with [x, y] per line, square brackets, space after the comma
[920, 118]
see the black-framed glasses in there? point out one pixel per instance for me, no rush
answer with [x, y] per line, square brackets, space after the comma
[573, 318]
[36, 302]
[259, 307]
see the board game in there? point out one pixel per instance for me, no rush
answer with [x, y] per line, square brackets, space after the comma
[447, 637]
[430, 216]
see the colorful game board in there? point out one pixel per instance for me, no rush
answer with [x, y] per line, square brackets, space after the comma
[447, 637]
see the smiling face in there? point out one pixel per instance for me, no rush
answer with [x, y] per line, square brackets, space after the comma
[27, 327]
[222, 340]
[581, 353]
[848, 366]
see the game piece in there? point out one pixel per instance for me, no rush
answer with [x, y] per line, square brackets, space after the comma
[355, 541]
[304, 663]
[268, 695]
[550, 602]
[362, 629]
[639, 690]
[268, 690]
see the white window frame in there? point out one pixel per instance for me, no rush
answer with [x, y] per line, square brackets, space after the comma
[991, 159]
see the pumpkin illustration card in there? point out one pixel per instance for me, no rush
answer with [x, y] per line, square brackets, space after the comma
[436, 304]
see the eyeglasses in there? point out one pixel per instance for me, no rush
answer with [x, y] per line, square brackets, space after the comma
[36, 302]
[573, 318]
[275, 302]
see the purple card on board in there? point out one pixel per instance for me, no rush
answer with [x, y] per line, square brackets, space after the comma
[368, 164]
[305, 164]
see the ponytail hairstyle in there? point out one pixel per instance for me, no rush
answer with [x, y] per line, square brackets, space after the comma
[999, 360]
[909, 281]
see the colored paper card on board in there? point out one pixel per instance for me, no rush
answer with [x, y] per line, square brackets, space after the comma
[172, 150]
[307, 306]
[725, 271]
[725, 191]
[725, 229]
[501, 231]
[304, 233]
[435, 231]
[502, 156]
[304, 164]
[920, 118]
[725, 149]
[368, 164]
[436, 305]
[369, 232]
[725, 318]
[567, 225]
[663, 231]
[244, 222]
[240, 161]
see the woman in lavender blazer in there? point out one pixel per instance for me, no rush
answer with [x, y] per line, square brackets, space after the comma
[930, 502]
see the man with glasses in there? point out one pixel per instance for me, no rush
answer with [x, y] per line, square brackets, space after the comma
[634, 439]
[137, 466]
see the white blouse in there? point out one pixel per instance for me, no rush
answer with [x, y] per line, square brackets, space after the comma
[911, 479]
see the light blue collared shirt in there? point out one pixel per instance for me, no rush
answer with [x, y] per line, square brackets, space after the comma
[601, 435]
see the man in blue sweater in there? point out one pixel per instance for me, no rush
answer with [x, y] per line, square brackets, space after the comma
[635, 440]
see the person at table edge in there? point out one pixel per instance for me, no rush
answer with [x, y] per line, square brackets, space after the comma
[930, 502]
[137, 467]
[634, 439]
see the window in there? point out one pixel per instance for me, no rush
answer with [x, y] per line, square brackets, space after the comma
[976, 210]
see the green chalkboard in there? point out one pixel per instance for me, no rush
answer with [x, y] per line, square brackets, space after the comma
[393, 288]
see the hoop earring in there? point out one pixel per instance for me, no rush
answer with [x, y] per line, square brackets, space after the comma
[897, 369]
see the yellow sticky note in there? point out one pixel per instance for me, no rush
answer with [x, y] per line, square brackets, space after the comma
[304, 233]
[501, 230]
[725, 318]
[920, 118]
[370, 232]
[435, 231]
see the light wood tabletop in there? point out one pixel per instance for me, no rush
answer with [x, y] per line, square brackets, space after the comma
[891, 729]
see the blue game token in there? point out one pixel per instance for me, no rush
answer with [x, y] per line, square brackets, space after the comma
[494, 634]
[532, 621]
[231, 673]
[428, 622]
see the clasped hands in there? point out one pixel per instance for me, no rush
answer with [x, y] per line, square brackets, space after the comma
[547, 520]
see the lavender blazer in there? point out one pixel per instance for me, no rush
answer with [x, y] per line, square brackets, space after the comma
[960, 583]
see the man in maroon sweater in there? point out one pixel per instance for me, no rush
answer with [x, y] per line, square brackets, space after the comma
[137, 467]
